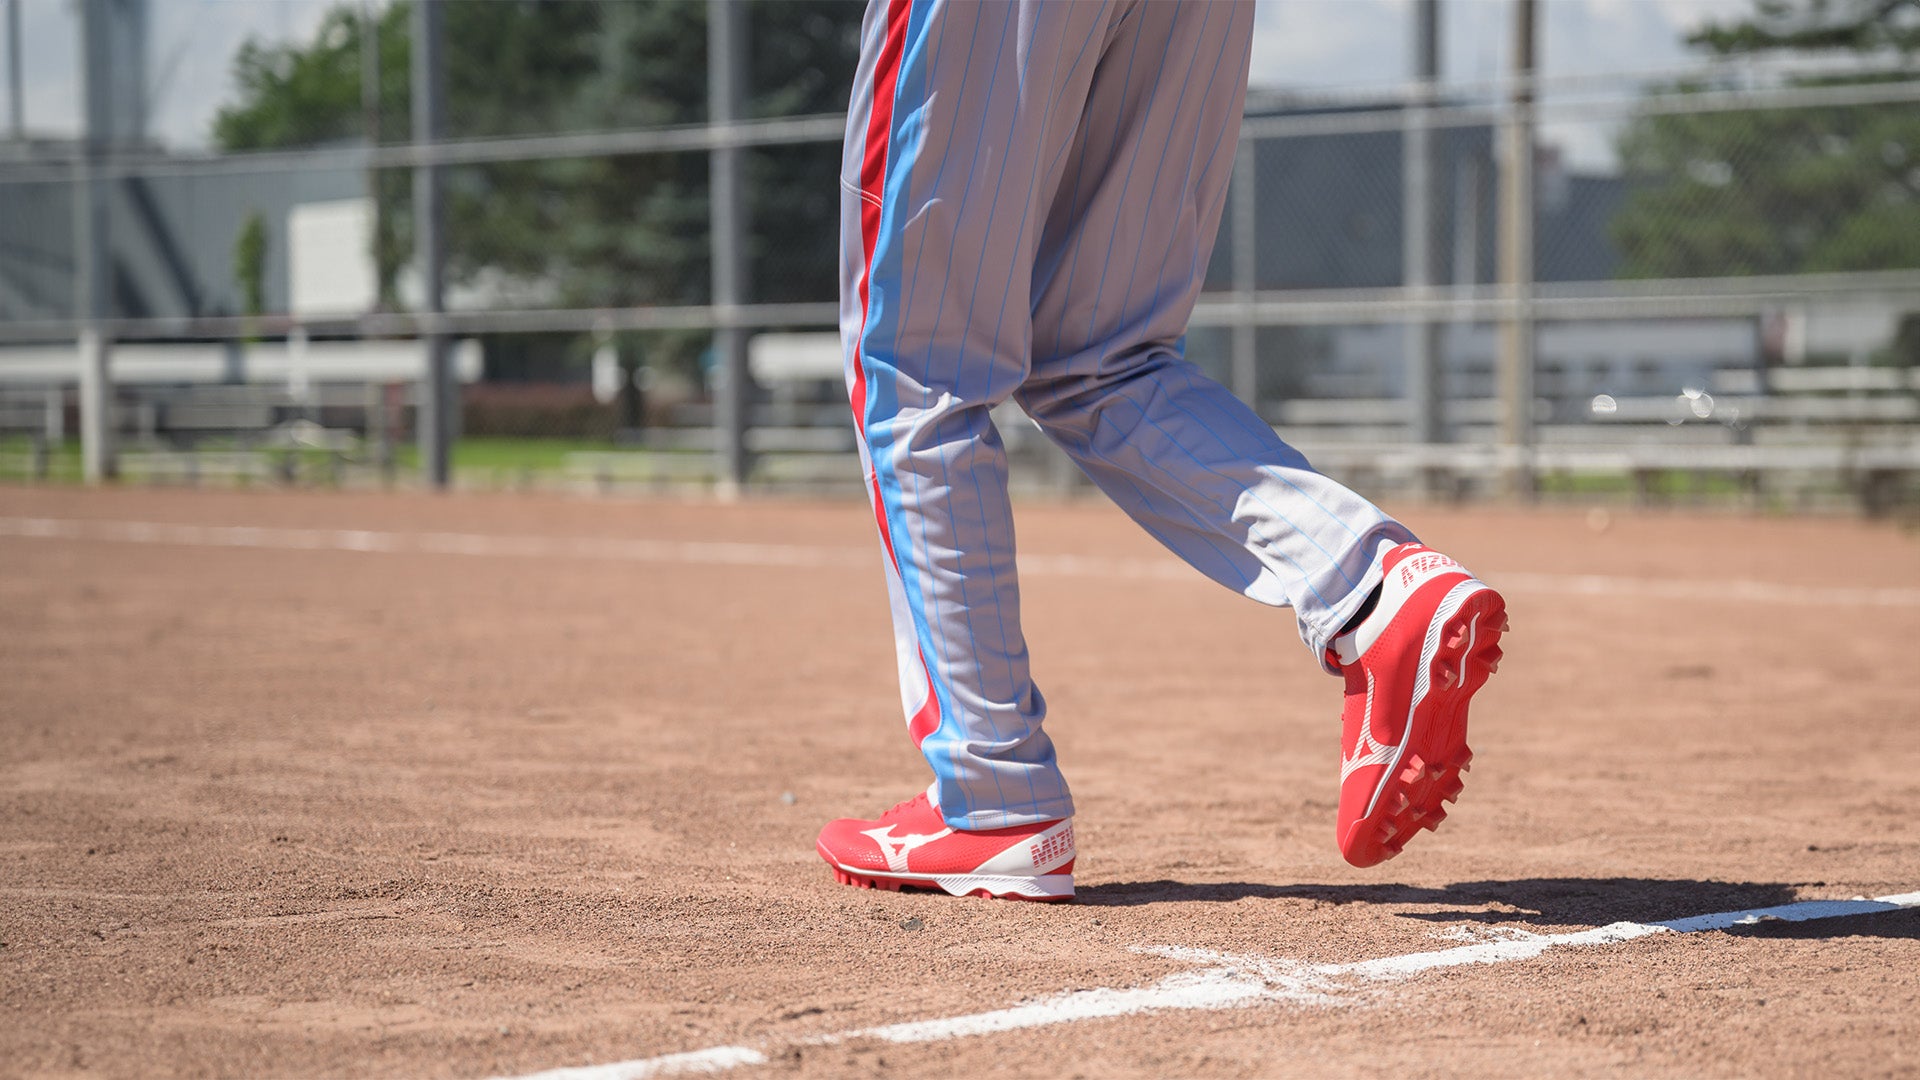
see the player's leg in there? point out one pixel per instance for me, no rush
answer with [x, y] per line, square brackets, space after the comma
[960, 118]
[1125, 246]
[1116, 276]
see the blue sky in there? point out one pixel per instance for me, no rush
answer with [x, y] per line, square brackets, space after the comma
[1311, 44]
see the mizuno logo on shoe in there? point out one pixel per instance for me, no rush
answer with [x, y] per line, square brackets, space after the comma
[895, 848]
[1366, 750]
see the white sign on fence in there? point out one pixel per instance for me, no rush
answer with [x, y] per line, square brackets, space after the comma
[330, 267]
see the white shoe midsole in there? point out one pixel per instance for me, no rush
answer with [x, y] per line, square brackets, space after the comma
[998, 884]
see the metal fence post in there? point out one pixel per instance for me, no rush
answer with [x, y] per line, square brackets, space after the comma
[54, 416]
[98, 460]
[93, 251]
[726, 72]
[429, 108]
[16, 80]
[1420, 246]
[370, 97]
[1246, 279]
[1515, 364]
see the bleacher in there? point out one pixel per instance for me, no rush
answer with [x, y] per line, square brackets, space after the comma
[1849, 429]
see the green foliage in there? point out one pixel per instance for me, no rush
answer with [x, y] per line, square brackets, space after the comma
[250, 263]
[303, 95]
[1850, 25]
[594, 231]
[1778, 191]
[299, 95]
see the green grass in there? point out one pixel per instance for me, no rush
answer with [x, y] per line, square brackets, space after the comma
[17, 460]
[1662, 483]
[484, 457]
[537, 455]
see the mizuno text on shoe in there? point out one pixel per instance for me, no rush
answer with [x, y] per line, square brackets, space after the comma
[911, 846]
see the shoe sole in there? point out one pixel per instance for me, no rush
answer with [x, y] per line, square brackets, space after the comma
[1045, 888]
[1426, 773]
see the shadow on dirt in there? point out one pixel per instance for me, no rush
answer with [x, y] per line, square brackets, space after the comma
[1557, 902]
[1886, 924]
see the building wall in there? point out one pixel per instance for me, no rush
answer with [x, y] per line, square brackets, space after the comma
[172, 238]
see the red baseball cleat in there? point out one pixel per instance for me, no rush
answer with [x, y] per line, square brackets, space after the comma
[1411, 667]
[911, 846]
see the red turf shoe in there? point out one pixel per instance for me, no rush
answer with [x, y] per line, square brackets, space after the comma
[911, 846]
[1411, 667]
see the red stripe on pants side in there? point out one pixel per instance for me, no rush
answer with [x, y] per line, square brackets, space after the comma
[873, 182]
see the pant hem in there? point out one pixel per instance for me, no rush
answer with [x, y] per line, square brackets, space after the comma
[982, 820]
[1319, 637]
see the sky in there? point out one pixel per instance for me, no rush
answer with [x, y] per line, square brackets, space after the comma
[1299, 44]
[1334, 43]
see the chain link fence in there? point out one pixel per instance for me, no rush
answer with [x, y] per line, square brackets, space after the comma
[1723, 296]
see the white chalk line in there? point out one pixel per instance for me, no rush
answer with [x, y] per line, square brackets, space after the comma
[736, 553]
[1230, 981]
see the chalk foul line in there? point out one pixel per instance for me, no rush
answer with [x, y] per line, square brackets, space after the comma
[736, 553]
[1229, 981]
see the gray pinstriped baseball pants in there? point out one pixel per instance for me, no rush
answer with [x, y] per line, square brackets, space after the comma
[1031, 192]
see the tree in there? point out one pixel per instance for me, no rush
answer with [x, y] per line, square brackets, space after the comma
[250, 264]
[1860, 26]
[594, 231]
[1784, 190]
[302, 95]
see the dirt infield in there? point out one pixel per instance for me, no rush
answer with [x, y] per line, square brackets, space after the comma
[470, 786]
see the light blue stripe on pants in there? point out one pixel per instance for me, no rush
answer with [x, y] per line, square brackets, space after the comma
[1055, 175]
